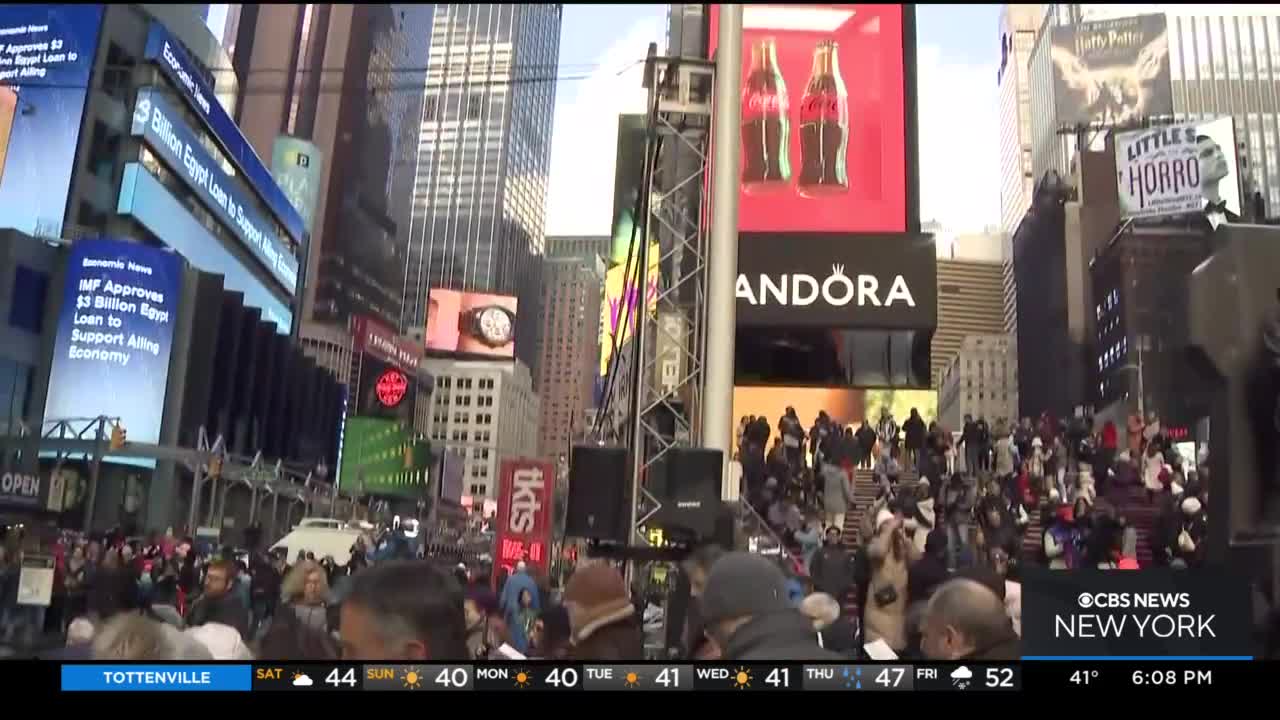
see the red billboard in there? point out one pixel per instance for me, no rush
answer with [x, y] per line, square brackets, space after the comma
[824, 122]
[471, 323]
[524, 514]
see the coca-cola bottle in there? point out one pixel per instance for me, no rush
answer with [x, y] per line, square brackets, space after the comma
[766, 131]
[824, 126]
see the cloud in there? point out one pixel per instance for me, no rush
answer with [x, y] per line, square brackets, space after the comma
[959, 142]
[303, 681]
[584, 143]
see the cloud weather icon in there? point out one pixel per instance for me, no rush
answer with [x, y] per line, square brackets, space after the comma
[302, 680]
[962, 673]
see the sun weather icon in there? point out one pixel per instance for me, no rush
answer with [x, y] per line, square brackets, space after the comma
[631, 680]
[741, 678]
[852, 677]
[412, 678]
[523, 679]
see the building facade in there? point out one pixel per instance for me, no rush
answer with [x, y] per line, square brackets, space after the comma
[1223, 60]
[488, 411]
[481, 166]
[970, 302]
[981, 380]
[1018, 26]
[571, 289]
[348, 78]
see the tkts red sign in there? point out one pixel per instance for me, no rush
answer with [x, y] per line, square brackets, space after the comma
[524, 513]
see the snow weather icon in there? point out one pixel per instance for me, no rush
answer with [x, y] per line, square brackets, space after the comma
[852, 678]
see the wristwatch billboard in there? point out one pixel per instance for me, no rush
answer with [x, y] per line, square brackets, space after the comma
[492, 325]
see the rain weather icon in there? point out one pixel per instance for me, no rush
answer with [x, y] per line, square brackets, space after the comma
[961, 676]
[523, 679]
[631, 680]
[302, 680]
[741, 678]
[852, 678]
[412, 679]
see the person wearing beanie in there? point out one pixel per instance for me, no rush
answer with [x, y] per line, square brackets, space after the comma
[747, 613]
[889, 553]
[602, 620]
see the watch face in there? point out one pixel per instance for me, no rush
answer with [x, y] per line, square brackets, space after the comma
[495, 325]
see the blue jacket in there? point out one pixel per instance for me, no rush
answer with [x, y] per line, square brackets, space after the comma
[509, 603]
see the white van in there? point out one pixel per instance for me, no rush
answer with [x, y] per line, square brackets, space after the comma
[322, 537]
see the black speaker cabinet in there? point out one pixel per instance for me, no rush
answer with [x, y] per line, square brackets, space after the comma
[687, 483]
[599, 493]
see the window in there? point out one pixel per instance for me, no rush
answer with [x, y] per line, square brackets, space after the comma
[475, 106]
[430, 107]
[30, 288]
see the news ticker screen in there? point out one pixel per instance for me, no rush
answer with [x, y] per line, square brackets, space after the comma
[518, 677]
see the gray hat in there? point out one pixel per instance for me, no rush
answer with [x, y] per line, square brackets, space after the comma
[742, 584]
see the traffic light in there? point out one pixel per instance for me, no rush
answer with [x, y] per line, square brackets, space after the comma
[119, 436]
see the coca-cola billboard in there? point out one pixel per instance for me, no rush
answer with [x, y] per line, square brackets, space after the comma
[524, 513]
[824, 118]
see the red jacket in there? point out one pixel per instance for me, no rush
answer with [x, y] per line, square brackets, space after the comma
[1110, 436]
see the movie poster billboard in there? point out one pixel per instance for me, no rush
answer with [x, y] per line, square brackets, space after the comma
[1176, 169]
[523, 530]
[1111, 72]
[824, 121]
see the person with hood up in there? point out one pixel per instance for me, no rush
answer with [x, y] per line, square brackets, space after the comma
[866, 437]
[913, 430]
[832, 566]
[602, 620]
[889, 554]
[967, 621]
[835, 631]
[747, 613]
[509, 601]
[1062, 540]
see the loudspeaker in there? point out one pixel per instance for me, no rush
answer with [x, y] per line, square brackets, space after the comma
[599, 493]
[687, 483]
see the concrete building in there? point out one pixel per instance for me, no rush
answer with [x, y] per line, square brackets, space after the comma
[981, 380]
[1018, 26]
[487, 410]
[482, 159]
[970, 302]
[578, 245]
[349, 79]
[570, 335]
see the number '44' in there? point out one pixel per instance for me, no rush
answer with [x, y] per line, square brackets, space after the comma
[337, 678]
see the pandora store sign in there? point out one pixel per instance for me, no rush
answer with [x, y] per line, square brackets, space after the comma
[837, 281]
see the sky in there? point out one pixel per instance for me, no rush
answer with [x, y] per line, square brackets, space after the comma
[958, 54]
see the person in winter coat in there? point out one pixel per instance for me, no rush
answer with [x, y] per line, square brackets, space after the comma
[887, 430]
[866, 437]
[922, 518]
[509, 603]
[984, 445]
[602, 621]
[304, 592]
[957, 507]
[219, 603]
[747, 613]
[1186, 548]
[792, 434]
[1062, 541]
[969, 438]
[837, 494]
[913, 430]
[810, 540]
[889, 554]
[832, 566]
[1005, 453]
[1152, 466]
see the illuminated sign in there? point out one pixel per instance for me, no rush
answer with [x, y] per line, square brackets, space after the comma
[167, 53]
[391, 387]
[524, 513]
[160, 125]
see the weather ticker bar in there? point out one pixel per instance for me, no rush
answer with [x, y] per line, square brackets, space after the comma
[552, 677]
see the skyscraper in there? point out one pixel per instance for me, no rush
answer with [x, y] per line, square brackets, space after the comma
[348, 78]
[483, 158]
[1018, 25]
[571, 290]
